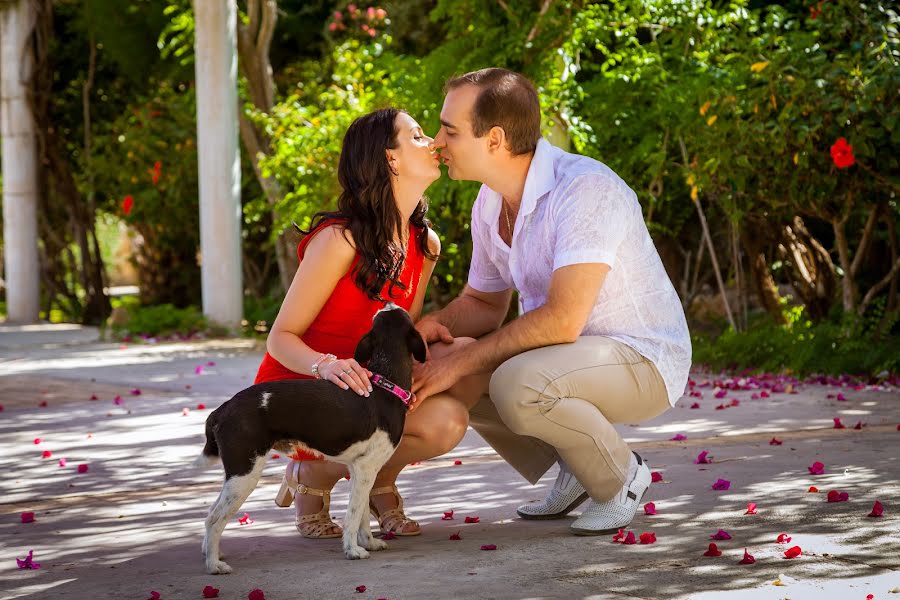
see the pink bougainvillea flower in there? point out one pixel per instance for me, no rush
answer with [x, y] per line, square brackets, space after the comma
[775, 442]
[245, 520]
[679, 437]
[703, 458]
[127, 205]
[841, 398]
[656, 477]
[713, 551]
[256, 594]
[629, 539]
[472, 519]
[388, 535]
[748, 559]
[837, 423]
[46, 454]
[721, 484]
[720, 535]
[118, 400]
[619, 536]
[210, 592]
[457, 462]
[764, 394]
[455, 536]
[83, 468]
[489, 546]
[62, 462]
[837, 496]
[649, 509]
[813, 489]
[735, 402]
[859, 425]
[198, 370]
[360, 589]
[695, 405]
[28, 562]
[842, 154]
[136, 392]
[28, 517]
[816, 468]
[720, 394]
[783, 538]
[648, 538]
[793, 552]
[751, 509]
[154, 596]
[877, 510]
[448, 515]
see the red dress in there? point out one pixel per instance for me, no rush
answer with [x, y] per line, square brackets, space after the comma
[347, 314]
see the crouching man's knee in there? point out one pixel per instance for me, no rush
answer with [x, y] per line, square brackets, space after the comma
[516, 402]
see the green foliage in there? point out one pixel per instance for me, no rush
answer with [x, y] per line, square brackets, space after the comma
[161, 320]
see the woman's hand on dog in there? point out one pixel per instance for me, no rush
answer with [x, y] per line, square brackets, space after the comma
[347, 374]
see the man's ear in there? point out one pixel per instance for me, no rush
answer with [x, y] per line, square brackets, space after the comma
[363, 349]
[496, 139]
[416, 344]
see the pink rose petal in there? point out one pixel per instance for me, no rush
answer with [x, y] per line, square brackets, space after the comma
[210, 592]
[27, 517]
[837, 496]
[118, 401]
[702, 458]
[656, 477]
[62, 462]
[198, 370]
[256, 594]
[154, 596]
[775, 442]
[720, 535]
[46, 454]
[455, 536]
[245, 520]
[783, 538]
[136, 392]
[619, 536]
[679, 437]
[388, 535]
[721, 484]
[457, 462]
[629, 539]
[37, 441]
[837, 423]
[859, 425]
[695, 405]
[473, 519]
[82, 468]
[185, 411]
[649, 509]
[720, 394]
[817, 468]
[713, 551]
[648, 538]
[748, 558]
[751, 509]
[489, 546]
[841, 398]
[28, 562]
[201, 406]
[448, 515]
[793, 552]
[360, 589]
[877, 510]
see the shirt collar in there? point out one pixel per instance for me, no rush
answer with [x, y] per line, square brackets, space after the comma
[539, 181]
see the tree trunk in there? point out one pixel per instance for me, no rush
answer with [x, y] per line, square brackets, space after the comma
[19, 154]
[813, 272]
[762, 278]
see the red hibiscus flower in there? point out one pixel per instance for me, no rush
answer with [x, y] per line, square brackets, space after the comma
[127, 204]
[842, 154]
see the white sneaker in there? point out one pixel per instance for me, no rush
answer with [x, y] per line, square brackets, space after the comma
[600, 518]
[565, 495]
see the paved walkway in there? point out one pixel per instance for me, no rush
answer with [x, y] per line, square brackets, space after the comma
[132, 523]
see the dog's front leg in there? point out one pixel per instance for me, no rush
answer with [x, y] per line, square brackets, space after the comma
[357, 531]
[234, 492]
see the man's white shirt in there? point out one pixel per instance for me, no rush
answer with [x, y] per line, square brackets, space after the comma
[576, 210]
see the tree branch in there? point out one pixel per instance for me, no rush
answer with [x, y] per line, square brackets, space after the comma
[864, 241]
[873, 291]
[534, 30]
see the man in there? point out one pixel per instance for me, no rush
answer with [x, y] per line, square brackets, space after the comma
[602, 338]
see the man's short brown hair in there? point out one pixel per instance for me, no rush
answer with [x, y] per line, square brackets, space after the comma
[508, 100]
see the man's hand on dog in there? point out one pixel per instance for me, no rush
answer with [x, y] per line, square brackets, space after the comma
[348, 374]
[434, 376]
[432, 331]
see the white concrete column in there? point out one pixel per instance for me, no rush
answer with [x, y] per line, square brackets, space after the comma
[219, 160]
[19, 156]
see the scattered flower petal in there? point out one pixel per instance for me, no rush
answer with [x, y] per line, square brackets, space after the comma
[877, 510]
[211, 363]
[82, 468]
[473, 519]
[118, 401]
[702, 458]
[448, 515]
[836, 496]
[455, 536]
[713, 551]
[28, 562]
[679, 437]
[388, 535]
[735, 402]
[751, 509]
[136, 392]
[489, 546]
[793, 552]
[42, 404]
[649, 509]
[695, 405]
[28, 517]
[154, 595]
[37, 441]
[94, 397]
[783, 538]
[201, 406]
[812, 489]
[859, 425]
[775, 442]
[721, 484]
[46, 454]
[837, 423]
[245, 520]
[360, 589]
[720, 535]
[656, 477]
[720, 394]
[748, 558]
[648, 538]
[764, 394]
[185, 411]
[256, 594]
[210, 592]
[457, 462]
[198, 370]
[817, 468]
[629, 539]
[619, 536]
[841, 398]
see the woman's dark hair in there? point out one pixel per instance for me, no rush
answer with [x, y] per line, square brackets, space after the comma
[367, 206]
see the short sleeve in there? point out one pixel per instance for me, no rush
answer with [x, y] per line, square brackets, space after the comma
[484, 275]
[592, 219]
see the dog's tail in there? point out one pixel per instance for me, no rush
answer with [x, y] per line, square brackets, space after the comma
[210, 454]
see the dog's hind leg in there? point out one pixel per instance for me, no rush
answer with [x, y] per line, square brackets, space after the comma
[362, 477]
[233, 494]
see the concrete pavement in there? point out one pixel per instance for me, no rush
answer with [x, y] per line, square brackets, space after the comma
[133, 522]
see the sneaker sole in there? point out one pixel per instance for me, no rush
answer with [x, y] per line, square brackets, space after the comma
[557, 515]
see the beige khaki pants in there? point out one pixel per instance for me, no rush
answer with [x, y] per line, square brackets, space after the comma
[561, 401]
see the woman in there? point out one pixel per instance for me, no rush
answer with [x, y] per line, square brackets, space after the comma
[376, 247]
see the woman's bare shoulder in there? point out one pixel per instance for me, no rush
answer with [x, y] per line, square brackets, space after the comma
[333, 241]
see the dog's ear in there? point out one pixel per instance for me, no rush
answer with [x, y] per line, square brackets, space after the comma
[416, 344]
[363, 349]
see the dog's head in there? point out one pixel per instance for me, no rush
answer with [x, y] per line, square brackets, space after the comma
[392, 332]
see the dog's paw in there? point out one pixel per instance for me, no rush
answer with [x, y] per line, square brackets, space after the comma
[375, 544]
[355, 553]
[217, 567]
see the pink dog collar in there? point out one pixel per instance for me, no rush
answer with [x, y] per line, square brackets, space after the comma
[387, 384]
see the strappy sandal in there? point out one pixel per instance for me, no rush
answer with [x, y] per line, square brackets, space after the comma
[315, 526]
[393, 519]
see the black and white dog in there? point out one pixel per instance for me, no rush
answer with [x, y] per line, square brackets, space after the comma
[359, 432]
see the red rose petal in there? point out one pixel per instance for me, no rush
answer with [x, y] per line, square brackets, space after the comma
[136, 392]
[245, 520]
[455, 536]
[62, 462]
[859, 425]
[656, 477]
[783, 538]
[793, 552]
[210, 592]
[473, 519]
[841, 398]
[43, 404]
[720, 394]
[648, 538]
[94, 397]
[118, 400]
[720, 535]
[82, 468]
[877, 510]
[679, 437]
[813, 489]
[695, 405]
[154, 595]
[735, 402]
[201, 406]
[721, 484]
[837, 423]
[748, 558]
[360, 589]
[457, 462]
[649, 509]
[37, 441]
[775, 442]
[448, 515]
[713, 551]
[619, 536]
[275, 455]
[256, 594]
[388, 535]
[751, 509]
[27, 517]
[46, 454]
[489, 547]
[816, 468]
[764, 394]
[838, 496]
[629, 539]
